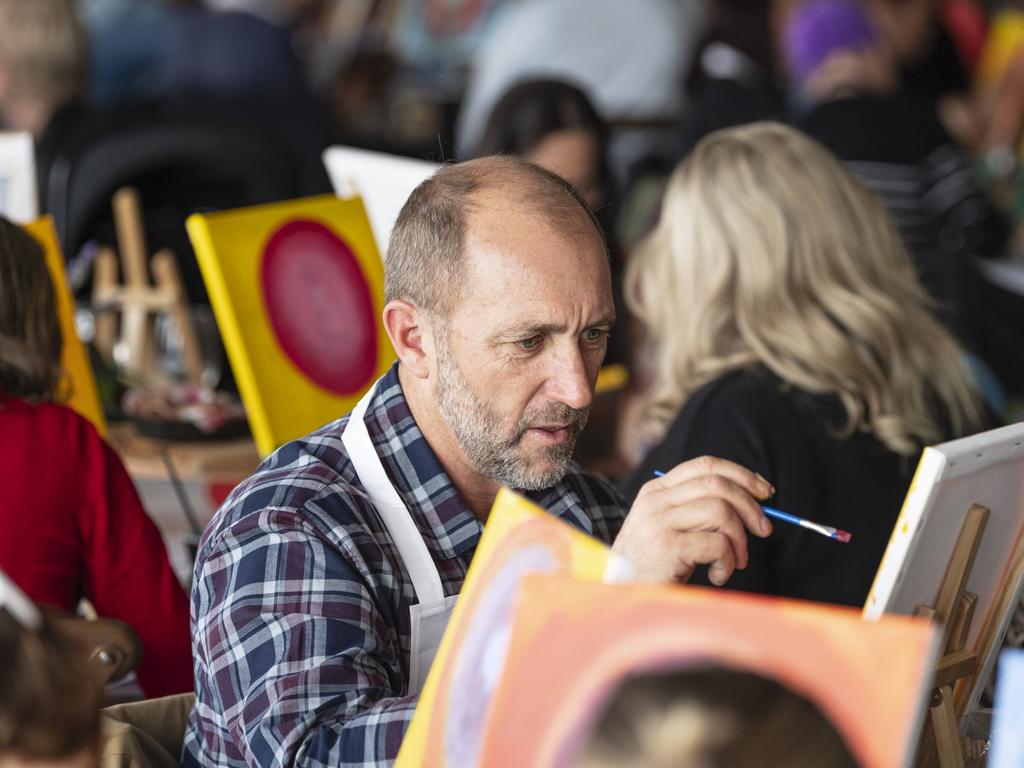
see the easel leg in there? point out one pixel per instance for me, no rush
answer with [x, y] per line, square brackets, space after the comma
[947, 735]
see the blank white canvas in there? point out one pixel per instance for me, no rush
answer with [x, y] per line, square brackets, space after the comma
[383, 181]
[1007, 735]
[18, 198]
[986, 469]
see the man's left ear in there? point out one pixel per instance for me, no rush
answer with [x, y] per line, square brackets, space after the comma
[409, 332]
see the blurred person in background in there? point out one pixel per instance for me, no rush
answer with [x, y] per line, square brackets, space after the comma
[925, 54]
[130, 41]
[238, 62]
[789, 333]
[230, 49]
[49, 701]
[735, 77]
[630, 58]
[553, 124]
[710, 717]
[44, 62]
[847, 94]
[73, 526]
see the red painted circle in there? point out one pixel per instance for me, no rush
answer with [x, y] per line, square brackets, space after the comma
[320, 307]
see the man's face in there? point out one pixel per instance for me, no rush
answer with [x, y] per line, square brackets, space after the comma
[518, 357]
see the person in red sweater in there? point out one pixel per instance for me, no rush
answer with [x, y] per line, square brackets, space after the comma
[71, 522]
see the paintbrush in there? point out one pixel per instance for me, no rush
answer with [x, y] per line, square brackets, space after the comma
[778, 514]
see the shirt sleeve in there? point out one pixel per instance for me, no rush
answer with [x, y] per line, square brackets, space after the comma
[292, 650]
[128, 575]
[966, 221]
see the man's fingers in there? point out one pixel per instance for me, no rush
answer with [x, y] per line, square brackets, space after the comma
[712, 486]
[714, 550]
[711, 516]
[753, 483]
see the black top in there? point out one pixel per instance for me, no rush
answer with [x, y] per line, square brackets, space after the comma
[899, 150]
[753, 418]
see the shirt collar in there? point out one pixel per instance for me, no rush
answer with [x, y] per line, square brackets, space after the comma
[446, 523]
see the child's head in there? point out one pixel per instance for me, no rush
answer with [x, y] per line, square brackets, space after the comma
[711, 718]
[30, 340]
[49, 702]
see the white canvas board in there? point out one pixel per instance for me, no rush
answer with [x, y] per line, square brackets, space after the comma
[1007, 735]
[19, 200]
[986, 469]
[383, 181]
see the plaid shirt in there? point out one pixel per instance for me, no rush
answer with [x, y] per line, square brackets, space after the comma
[300, 605]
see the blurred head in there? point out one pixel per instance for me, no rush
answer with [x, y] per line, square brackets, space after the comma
[499, 307]
[43, 60]
[769, 251]
[831, 47]
[30, 338]
[711, 718]
[49, 702]
[554, 125]
[906, 26]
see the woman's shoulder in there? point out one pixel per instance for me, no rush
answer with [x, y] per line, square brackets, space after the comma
[742, 390]
[45, 419]
[751, 406]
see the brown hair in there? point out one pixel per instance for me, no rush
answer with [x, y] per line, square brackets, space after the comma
[49, 702]
[30, 339]
[425, 256]
[711, 717]
[44, 48]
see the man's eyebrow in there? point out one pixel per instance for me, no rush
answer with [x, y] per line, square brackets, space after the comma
[527, 329]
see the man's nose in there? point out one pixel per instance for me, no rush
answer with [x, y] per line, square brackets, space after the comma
[569, 382]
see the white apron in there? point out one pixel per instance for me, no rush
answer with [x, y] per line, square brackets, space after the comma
[429, 617]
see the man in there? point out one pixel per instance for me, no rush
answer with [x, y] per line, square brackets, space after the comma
[324, 583]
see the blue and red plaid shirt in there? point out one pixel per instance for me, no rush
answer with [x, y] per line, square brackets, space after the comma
[300, 605]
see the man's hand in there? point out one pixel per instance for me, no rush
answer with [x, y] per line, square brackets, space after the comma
[695, 514]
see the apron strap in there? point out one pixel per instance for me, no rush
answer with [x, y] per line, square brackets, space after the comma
[397, 519]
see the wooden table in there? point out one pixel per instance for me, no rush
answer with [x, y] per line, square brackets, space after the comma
[217, 462]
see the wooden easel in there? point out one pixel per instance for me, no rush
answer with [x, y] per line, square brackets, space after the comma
[137, 300]
[953, 610]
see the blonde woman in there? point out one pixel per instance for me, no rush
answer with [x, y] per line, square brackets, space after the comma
[789, 333]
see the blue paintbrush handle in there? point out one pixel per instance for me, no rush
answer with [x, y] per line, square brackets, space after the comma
[778, 514]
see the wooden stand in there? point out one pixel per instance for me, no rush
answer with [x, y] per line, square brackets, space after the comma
[953, 610]
[136, 300]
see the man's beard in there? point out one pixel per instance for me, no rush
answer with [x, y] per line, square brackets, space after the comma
[478, 430]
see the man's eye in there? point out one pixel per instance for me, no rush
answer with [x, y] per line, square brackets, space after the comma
[594, 335]
[529, 344]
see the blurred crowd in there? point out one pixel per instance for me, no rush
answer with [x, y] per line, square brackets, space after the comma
[807, 204]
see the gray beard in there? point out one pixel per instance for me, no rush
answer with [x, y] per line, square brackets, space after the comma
[477, 429]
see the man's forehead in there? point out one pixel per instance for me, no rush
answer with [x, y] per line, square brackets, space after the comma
[513, 216]
[524, 268]
[528, 243]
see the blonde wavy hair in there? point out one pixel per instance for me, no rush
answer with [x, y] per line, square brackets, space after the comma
[769, 251]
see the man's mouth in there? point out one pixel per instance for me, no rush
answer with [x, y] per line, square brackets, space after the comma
[553, 434]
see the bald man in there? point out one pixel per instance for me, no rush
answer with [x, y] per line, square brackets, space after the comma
[324, 583]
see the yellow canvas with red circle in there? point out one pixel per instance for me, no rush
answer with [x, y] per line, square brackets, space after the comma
[297, 289]
[82, 394]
